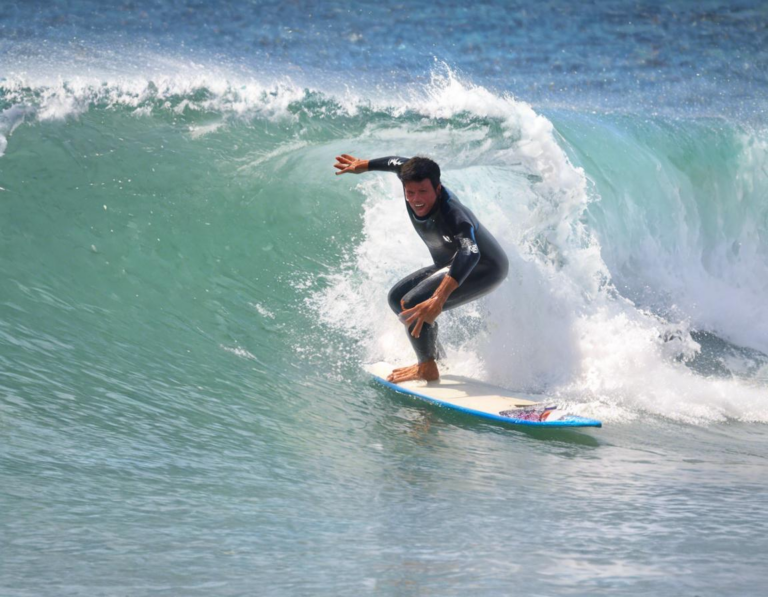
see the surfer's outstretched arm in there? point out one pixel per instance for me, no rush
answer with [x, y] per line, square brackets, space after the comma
[349, 163]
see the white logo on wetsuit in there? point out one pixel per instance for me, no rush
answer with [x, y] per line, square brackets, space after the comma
[447, 238]
[469, 246]
[394, 162]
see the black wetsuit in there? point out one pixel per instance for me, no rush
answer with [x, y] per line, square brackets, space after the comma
[460, 247]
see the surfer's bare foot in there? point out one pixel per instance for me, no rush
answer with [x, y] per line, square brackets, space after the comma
[426, 371]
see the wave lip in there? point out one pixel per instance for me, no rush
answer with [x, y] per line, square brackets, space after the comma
[176, 93]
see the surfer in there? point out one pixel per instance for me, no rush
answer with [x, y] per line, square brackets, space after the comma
[467, 261]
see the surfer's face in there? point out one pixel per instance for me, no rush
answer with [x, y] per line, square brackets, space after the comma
[421, 196]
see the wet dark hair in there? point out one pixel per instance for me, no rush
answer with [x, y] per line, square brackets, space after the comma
[418, 169]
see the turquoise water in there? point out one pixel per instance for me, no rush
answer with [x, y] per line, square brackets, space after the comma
[188, 294]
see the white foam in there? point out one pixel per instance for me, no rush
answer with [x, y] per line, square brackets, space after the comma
[145, 82]
[10, 119]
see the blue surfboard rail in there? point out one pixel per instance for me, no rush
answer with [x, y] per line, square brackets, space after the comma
[566, 421]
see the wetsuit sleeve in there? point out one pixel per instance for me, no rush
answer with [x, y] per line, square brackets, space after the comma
[468, 254]
[388, 164]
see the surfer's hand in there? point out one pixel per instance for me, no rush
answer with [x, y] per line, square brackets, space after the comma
[422, 313]
[428, 310]
[347, 163]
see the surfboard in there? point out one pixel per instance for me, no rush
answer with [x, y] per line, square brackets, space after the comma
[483, 400]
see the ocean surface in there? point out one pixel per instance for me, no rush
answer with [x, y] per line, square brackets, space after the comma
[188, 294]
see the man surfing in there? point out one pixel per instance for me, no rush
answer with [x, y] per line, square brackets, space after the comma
[467, 260]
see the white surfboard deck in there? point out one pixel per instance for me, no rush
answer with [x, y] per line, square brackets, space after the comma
[483, 400]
